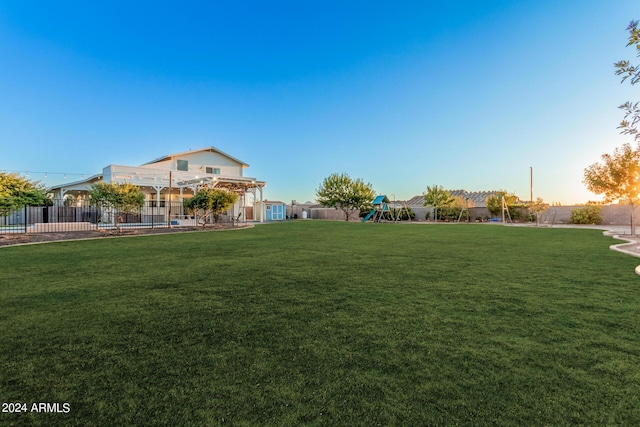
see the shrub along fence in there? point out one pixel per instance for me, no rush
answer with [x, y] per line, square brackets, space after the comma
[83, 216]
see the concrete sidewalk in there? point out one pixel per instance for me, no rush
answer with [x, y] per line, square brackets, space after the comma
[632, 245]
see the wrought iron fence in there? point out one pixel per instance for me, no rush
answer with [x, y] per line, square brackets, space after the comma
[83, 216]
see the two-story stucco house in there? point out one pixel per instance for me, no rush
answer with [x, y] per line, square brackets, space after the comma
[175, 177]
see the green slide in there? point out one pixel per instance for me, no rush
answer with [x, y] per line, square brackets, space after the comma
[369, 215]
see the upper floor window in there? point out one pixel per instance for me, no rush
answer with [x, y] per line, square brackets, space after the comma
[183, 165]
[215, 171]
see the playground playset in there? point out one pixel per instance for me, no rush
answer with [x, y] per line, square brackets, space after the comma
[385, 210]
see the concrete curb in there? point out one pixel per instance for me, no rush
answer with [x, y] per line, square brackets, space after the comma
[622, 247]
[125, 236]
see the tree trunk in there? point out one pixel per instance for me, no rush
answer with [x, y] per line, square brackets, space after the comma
[116, 220]
[346, 214]
[633, 225]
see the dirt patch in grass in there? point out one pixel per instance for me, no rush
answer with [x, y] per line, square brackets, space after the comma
[25, 238]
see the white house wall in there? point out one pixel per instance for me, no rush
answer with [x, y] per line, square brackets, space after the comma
[198, 162]
[137, 175]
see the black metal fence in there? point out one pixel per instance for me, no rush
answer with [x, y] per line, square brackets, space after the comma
[83, 216]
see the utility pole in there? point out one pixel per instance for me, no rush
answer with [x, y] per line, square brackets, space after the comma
[531, 184]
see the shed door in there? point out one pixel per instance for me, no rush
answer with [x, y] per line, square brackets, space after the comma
[278, 212]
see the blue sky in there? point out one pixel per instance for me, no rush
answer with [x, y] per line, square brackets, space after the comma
[462, 94]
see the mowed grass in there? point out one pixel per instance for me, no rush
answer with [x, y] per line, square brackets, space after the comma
[324, 323]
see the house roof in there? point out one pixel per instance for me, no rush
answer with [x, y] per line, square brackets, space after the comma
[211, 149]
[476, 198]
[416, 201]
[70, 184]
[308, 205]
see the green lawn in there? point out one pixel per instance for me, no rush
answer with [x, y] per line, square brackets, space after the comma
[324, 323]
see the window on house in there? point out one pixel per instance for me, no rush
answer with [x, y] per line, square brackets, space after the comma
[183, 165]
[215, 171]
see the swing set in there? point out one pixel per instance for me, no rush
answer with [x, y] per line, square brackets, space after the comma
[385, 210]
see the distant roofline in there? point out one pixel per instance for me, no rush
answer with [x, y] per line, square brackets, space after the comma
[476, 196]
[211, 148]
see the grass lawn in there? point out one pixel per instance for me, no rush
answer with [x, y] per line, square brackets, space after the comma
[324, 323]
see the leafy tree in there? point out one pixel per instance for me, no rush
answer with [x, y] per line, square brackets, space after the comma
[459, 204]
[450, 213]
[587, 215]
[494, 204]
[617, 177]
[536, 208]
[404, 213]
[211, 202]
[462, 202]
[624, 68]
[339, 191]
[17, 192]
[122, 199]
[437, 197]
